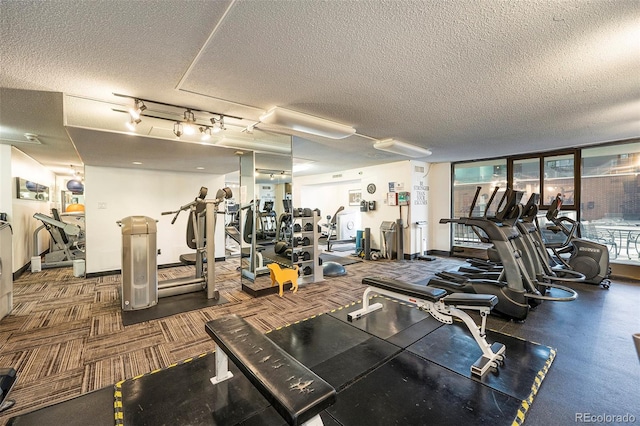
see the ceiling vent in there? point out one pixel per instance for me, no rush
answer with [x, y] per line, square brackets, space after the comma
[32, 138]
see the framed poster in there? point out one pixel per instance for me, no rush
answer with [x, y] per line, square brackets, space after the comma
[355, 195]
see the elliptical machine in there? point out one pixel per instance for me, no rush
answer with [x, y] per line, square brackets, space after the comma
[515, 286]
[587, 257]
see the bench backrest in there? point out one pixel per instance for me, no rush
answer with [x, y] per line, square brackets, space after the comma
[296, 392]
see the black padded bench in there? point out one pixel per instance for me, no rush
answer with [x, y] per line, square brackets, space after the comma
[431, 294]
[297, 394]
[442, 307]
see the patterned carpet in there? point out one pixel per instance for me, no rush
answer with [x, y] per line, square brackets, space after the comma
[65, 334]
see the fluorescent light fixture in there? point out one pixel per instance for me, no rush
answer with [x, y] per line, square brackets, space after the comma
[300, 165]
[305, 123]
[255, 145]
[401, 148]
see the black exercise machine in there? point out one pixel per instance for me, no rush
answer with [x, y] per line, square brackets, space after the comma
[586, 257]
[514, 286]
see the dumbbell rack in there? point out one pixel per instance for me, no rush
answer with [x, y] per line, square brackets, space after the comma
[299, 249]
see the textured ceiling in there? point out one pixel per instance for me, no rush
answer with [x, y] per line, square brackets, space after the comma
[466, 79]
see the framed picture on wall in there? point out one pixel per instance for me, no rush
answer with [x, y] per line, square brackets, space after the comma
[355, 195]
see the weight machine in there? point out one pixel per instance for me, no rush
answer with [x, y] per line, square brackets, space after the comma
[67, 242]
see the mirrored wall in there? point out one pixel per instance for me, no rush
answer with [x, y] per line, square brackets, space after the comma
[265, 214]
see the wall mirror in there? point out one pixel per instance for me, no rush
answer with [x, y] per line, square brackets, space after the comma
[265, 213]
[29, 190]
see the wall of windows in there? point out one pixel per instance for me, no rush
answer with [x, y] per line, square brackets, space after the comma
[467, 177]
[610, 198]
[600, 187]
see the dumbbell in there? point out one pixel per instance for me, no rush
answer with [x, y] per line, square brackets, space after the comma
[305, 241]
[307, 270]
[308, 226]
[305, 255]
[297, 228]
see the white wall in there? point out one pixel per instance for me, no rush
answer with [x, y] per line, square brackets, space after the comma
[327, 196]
[329, 191]
[21, 218]
[439, 206]
[112, 194]
[399, 173]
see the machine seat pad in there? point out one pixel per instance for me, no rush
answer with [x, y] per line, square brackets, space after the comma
[292, 389]
[190, 258]
[469, 299]
[423, 292]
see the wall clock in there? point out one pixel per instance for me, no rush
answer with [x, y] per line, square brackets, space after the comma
[371, 188]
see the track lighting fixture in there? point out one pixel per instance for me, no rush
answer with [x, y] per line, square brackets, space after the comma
[177, 129]
[187, 124]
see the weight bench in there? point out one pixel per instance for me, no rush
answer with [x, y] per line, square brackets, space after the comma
[441, 307]
[296, 393]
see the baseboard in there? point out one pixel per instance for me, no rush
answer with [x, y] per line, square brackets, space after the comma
[119, 271]
[441, 253]
[102, 273]
[17, 274]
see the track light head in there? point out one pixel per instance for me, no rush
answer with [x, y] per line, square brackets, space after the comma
[177, 129]
[218, 124]
[189, 122]
[137, 110]
[189, 117]
[205, 132]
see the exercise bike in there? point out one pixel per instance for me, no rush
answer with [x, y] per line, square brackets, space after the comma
[584, 256]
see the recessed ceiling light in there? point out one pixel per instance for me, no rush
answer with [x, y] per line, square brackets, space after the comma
[137, 163]
[199, 168]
